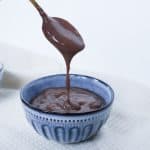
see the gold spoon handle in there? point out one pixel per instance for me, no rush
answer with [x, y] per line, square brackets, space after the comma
[37, 6]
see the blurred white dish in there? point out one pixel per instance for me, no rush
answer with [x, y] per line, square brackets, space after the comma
[1, 72]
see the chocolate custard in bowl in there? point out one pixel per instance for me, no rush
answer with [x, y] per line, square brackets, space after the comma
[53, 100]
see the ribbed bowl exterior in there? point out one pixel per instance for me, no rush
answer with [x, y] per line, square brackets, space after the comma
[67, 129]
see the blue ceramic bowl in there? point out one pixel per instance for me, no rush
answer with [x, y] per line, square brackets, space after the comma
[67, 128]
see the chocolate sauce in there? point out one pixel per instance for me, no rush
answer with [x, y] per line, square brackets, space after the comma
[64, 37]
[69, 42]
[53, 100]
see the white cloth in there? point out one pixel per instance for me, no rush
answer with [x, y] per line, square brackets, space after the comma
[128, 127]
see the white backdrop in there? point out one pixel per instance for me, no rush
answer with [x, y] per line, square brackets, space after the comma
[116, 33]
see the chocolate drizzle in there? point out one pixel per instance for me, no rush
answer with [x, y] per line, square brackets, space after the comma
[65, 38]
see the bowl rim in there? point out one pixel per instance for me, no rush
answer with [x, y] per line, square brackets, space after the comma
[67, 114]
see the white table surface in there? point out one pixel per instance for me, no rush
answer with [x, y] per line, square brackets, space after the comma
[116, 33]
